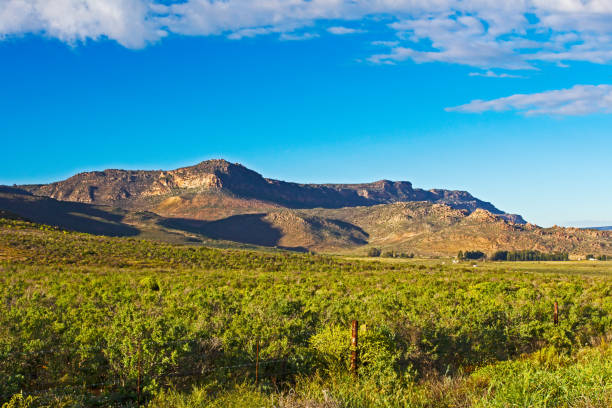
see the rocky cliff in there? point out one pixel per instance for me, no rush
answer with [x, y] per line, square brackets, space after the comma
[190, 189]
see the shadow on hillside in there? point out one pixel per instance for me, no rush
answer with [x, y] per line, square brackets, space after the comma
[245, 228]
[78, 217]
[352, 227]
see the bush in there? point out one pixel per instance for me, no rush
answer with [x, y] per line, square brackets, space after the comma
[373, 252]
[474, 255]
[378, 352]
[19, 401]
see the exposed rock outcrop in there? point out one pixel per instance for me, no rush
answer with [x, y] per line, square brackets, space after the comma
[148, 190]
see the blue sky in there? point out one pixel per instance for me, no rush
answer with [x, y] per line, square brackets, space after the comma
[513, 105]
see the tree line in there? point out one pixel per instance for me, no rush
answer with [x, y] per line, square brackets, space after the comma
[529, 255]
[522, 255]
[376, 252]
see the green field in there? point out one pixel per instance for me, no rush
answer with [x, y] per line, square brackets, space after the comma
[94, 321]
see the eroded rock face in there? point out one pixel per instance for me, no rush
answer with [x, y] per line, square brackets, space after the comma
[112, 186]
[147, 189]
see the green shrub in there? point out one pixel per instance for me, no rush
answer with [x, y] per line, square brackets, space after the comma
[373, 252]
[19, 401]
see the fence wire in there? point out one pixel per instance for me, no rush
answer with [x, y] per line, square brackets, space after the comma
[53, 390]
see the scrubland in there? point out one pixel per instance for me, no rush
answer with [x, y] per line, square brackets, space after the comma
[94, 321]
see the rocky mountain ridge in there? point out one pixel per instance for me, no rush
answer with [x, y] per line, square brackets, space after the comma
[186, 187]
[420, 227]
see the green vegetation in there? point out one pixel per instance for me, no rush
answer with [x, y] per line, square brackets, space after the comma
[373, 252]
[89, 321]
[471, 255]
[376, 252]
[395, 254]
[529, 256]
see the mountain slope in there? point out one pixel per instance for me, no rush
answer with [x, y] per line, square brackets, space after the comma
[93, 219]
[220, 203]
[227, 186]
[283, 228]
[437, 229]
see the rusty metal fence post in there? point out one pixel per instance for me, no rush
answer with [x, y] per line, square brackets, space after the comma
[139, 369]
[257, 362]
[354, 347]
[556, 314]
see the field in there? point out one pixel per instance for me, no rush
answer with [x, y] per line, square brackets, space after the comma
[96, 321]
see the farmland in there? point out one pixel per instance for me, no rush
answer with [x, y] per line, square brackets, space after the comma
[98, 321]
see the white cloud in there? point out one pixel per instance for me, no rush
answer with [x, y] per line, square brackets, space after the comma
[248, 33]
[129, 22]
[491, 74]
[578, 100]
[385, 43]
[297, 37]
[338, 30]
[480, 33]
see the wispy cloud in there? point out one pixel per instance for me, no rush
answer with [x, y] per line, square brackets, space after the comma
[338, 30]
[297, 37]
[478, 33]
[385, 43]
[578, 100]
[465, 40]
[491, 74]
[248, 33]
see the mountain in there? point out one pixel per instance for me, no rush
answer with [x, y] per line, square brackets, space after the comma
[283, 229]
[215, 189]
[437, 229]
[218, 203]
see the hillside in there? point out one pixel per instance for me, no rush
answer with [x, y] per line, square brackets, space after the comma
[284, 228]
[411, 227]
[228, 188]
[437, 229]
[95, 219]
[218, 203]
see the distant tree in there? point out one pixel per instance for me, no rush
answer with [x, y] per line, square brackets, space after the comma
[590, 256]
[373, 252]
[500, 256]
[473, 255]
[388, 254]
[460, 255]
[529, 255]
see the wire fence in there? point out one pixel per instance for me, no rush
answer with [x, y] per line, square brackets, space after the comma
[204, 366]
[277, 368]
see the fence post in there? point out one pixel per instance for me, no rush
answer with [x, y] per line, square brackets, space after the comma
[139, 369]
[257, 362]
[556, 314]
[354, 347]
